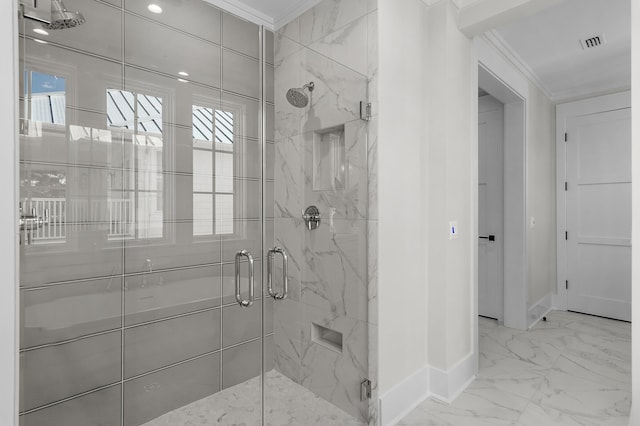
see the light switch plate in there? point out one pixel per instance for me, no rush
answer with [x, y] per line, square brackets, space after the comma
[454, 232]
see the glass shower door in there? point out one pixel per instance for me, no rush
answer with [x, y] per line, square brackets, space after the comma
[141, 182]
[319, 176]
[192, 299]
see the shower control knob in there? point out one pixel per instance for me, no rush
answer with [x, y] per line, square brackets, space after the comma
[311, 217]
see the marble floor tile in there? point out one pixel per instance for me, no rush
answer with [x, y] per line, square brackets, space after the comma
[536, 415]
[435, 413]
[571, 370]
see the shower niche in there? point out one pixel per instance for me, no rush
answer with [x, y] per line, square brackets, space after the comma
[329, 159]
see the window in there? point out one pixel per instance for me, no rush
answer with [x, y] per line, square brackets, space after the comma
[46, 97]
[44, 188]
[213, 170]
[139, 116]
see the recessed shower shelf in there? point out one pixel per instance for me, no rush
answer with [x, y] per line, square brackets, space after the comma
[330, 339]
[329, 159]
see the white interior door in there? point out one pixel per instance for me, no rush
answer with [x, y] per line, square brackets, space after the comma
[599, 213]
[490, 210]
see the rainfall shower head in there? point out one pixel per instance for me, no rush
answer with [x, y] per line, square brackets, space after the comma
[297, 97]
[61, 18]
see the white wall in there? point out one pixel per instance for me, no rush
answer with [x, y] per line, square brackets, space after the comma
[428, 177]
[402, 193]
[426, 171]
[8, 168]
[427, 163]
[452, 183]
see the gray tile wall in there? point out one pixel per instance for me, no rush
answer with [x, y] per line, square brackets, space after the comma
[121, 329]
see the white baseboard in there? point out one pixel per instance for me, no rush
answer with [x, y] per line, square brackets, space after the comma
[404, 397]
[540, 309]
[448, 385]
[427, 382]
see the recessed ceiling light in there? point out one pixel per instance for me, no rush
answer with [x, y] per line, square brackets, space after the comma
[182, 80]
[184, 74]
[154, 8]
[40, 41]
[40, 31]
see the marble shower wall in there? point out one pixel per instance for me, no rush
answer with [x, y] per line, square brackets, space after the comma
[325, 156]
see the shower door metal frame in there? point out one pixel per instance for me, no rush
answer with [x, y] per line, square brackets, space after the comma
[262, 136]
[9, 245]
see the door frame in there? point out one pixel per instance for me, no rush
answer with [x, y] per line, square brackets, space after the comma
[564, 112]
[502, 81]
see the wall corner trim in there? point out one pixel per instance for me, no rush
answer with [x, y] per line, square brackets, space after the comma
[448, 385]
[401, 399]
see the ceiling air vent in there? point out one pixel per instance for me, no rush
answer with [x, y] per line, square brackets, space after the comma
[593, 41]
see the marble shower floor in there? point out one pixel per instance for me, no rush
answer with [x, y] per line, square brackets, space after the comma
[287, 403]
[571, 370]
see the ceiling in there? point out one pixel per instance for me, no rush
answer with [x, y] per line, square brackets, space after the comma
[547, 47]
[544, 46]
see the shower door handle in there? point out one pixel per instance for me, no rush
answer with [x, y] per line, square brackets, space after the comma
[245, 303]
[285, 273]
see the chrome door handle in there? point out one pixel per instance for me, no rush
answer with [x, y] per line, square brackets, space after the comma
[245, 303]
[285, 273]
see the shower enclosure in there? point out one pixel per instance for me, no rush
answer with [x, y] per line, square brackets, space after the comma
[167, 272]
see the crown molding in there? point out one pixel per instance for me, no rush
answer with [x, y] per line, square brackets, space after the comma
[245, 12]
[500, 44]
[571, 95]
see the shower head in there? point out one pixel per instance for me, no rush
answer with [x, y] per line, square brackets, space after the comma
[297, 97]
[61, 18]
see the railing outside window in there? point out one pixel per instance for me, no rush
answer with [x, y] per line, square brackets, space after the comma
[64, 216]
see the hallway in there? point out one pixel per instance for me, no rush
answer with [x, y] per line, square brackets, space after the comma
[571, 370]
